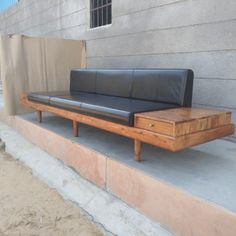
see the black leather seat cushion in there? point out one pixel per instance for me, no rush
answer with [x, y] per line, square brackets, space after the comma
[116, 109]
[44, 97]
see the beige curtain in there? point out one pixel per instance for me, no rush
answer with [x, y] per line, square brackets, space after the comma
[36, 64]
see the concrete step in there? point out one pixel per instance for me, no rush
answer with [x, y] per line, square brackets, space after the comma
[191, 192]
[107, 211]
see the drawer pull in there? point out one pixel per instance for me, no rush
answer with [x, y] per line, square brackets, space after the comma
[151, 125]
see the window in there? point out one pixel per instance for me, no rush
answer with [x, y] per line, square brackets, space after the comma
[100, 13]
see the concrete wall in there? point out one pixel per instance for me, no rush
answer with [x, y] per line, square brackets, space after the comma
[197, 34]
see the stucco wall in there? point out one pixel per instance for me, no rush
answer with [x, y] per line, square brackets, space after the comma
[197, 34]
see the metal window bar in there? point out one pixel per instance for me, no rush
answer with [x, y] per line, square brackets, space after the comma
[100, 13]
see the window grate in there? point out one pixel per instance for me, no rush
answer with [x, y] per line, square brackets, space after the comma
[100, 13]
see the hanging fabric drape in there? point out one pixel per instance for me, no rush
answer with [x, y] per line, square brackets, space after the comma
[36, 64]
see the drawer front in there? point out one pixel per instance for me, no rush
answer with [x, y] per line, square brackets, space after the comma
[154, 126]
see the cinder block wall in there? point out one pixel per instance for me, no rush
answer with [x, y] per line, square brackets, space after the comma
[197, 34]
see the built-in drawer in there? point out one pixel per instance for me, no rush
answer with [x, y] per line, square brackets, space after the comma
[154, 125]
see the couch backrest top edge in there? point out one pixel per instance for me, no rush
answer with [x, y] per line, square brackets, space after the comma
[131, 69]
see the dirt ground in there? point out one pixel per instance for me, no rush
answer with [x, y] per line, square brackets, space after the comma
[30, 207]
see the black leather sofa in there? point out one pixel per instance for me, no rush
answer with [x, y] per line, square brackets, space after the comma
[117, 94]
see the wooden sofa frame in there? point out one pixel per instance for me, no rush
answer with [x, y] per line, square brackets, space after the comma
[139, 135]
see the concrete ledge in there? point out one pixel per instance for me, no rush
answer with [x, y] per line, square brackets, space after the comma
[184, 213]
[117, 219]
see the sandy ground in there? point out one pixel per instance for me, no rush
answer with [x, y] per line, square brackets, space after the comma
[30, 207]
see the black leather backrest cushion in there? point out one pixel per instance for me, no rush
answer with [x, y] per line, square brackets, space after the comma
[114, 82]
[161, 85]
[83, 80]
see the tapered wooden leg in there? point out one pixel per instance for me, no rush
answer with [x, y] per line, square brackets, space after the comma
[137, 150]
[39, 114]
[75, 128]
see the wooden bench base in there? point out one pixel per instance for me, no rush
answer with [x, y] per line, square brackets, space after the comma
[170, 139]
